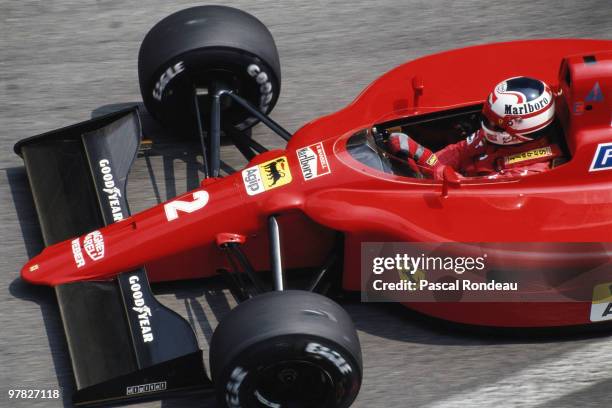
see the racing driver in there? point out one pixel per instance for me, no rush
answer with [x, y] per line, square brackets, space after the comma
[515, 137]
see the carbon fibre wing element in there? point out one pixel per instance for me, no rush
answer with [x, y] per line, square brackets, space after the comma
[123, 344]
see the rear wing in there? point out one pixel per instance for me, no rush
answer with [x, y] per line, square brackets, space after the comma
[123, 343]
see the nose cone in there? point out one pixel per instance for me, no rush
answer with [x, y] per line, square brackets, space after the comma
[61, 263]
[51, 267]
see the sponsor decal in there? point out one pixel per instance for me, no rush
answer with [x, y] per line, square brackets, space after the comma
[265, 86]
[252, 181]
[143, 311]
[528, 107]
[602, 160]
[275, 173]
[578, 108]
[232, 395]
[595, 94]
[165, 78]
[266, 91]
[77, 253]
[313, 161]
[529, 155]
[113, 193]
[433, 159]
[93, 243]
[200, 199]
[266, 176]
[601, 307]
[34, 267]
[146, 388]
[330, 355]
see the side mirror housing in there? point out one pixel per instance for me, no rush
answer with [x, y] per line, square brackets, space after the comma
[450, 178]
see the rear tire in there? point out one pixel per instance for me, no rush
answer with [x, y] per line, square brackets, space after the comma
[290, 348]
[204, 47]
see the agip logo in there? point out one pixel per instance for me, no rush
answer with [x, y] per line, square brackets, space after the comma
[266, 176]
[603, 157]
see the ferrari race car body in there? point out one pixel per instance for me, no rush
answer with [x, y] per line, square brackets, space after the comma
[316, 180]
[330, 180]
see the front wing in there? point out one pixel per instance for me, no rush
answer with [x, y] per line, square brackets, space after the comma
[123, 344]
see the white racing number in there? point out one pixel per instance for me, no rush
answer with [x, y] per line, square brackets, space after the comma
[200, 199]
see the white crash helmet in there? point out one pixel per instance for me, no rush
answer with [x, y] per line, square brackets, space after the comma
[517, 110]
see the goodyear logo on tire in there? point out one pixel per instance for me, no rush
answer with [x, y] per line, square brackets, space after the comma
[266, 176]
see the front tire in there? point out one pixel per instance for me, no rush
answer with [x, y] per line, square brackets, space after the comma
[286, 349]
[202, 48]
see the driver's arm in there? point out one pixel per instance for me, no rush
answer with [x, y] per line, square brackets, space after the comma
[404, 147]
[457, 155]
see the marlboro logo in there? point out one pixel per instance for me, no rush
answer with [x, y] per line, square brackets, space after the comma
[313, 161]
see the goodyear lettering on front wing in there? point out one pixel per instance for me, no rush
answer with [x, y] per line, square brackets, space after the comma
[143, 312]
[113, 193]
[266, 176]
[601, 307]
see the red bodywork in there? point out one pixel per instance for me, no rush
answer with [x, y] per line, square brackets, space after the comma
[566, 204]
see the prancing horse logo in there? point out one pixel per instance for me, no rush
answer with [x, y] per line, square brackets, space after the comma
[272, 171]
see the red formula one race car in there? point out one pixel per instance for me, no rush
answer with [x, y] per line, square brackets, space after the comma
[214, 72]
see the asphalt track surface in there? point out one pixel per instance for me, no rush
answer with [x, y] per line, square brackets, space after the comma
[63, 62]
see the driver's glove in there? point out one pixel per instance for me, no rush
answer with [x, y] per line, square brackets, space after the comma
[402, 146]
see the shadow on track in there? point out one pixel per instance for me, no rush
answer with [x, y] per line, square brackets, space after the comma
[396, 322]
[44, 297]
